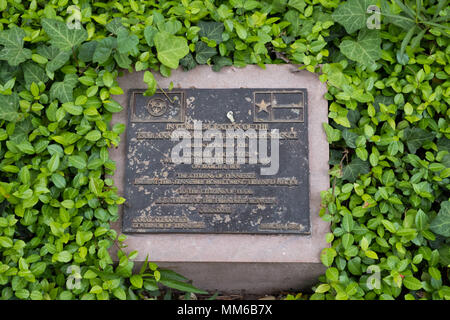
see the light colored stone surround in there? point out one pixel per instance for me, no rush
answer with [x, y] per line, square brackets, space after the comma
[231, 262]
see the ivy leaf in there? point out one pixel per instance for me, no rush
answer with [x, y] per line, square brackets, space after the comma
[211, 30]
[350, 138]
[336, 75]
[64, 256]
[136, 281]
[332, 133]
[93, 135]
[203, 52]
[114, 25]
[86, 51]
[443, 144]
[412, 283]
[67, 138]
[126, 43]
[371, 254]
[347, 222]
[63, 91]
[297, 4]
[366, 50]
[122, 60]
[13, 51]
[240, 30]
[332, 274]
[120, 293]
[57, 58]
[352, 14]
[8, 72]
[72, 108]
[22, 129]
[327, 256]
[48, 52]
[83, 236]
[220, 62]
[6, 242]
[9, 107]
[58, 61]
[416, 137]
[441, 223]
[77, 162]
[188, 62]
[150, 80]
[353, 170]
[53, 164]
[170, 49]
[96, 186]
[382, 99]
[170, 26]
[32, 72]
[61, 36]
[112, 106]
[149, 35]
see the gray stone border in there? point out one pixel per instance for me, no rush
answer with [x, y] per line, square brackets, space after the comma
[238, 248]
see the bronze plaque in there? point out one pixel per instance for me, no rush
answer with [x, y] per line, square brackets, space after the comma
[230, 193]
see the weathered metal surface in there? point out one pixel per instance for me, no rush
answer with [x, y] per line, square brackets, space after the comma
[166, 197]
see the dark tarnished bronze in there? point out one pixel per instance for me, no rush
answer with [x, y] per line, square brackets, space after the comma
[165, 197]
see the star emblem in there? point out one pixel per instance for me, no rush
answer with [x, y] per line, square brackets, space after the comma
[263, 106]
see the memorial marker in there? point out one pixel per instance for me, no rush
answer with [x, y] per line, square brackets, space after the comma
[225, 224]
[230, 193]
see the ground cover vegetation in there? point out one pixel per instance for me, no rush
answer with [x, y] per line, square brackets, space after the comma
[386, 65]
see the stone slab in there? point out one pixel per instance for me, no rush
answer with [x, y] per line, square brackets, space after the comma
[186, 252]
[196, 197]
[251, 280]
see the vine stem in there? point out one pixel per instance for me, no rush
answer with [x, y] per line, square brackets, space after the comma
[164, 92]
[345, 156]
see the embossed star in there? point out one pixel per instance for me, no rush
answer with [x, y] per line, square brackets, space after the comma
[263, 106]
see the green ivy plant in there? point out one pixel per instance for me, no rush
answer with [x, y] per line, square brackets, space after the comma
[391, 165]
[388, 94]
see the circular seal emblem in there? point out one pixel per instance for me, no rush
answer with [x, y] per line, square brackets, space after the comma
[157, 107]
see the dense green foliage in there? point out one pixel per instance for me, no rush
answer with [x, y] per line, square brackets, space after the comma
[389, 203]
[389, 133]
